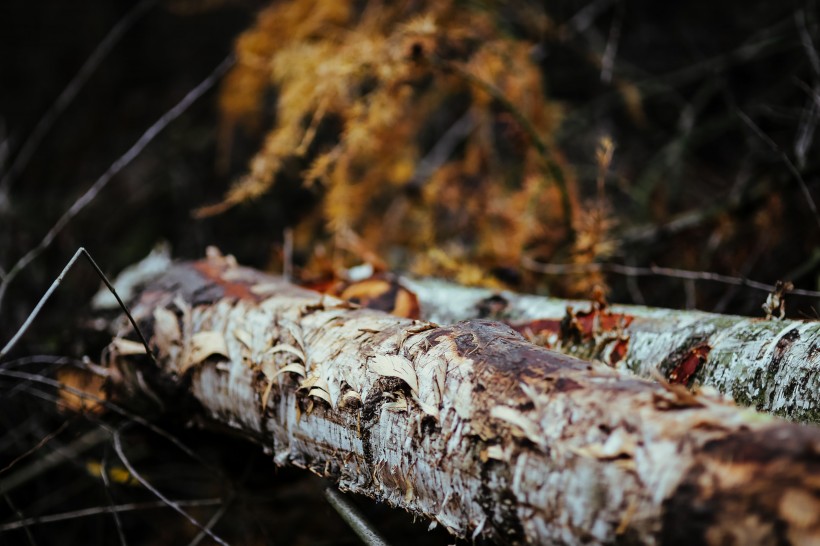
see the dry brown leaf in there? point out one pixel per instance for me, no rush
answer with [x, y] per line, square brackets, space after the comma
[86, 382]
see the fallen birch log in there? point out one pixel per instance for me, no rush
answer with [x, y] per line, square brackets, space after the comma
[771, 365]
[468, 424]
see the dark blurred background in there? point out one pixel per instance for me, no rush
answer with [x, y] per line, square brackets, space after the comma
[707, 103]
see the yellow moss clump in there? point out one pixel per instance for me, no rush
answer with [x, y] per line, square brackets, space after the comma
[442, 158]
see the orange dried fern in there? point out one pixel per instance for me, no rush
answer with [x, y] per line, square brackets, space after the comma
[442, 158]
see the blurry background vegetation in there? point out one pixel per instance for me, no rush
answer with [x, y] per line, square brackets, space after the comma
[459, 139]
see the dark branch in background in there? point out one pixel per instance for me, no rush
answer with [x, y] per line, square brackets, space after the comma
[354, 518]
[107, 488]
[552, 168]
[96, 510]
[442, 150]
[19, 514]
[85, 442]
[67, 96]
[742, 195]
[806, 40]
[114, 169]
[119, 410]
[46, 439]
[89, 440]
[568, 269]
[788, 162]
[808, 123]
[223, 509]
[146, 484]
[4, 148]
[608, 58]
[586, 16]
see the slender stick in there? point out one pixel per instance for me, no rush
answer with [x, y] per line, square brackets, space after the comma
[146, 484]
[96, 510]
[633, 271]
[114, 169]
[83, 443]
[69, 93]
[33, 315]
[354, 518]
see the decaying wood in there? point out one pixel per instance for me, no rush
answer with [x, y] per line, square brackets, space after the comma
[468, 424]
[771, 365]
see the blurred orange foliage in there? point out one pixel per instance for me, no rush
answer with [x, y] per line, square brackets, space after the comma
[418, 122]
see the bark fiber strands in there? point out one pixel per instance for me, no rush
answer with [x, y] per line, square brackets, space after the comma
[771, 365]
[469, 424]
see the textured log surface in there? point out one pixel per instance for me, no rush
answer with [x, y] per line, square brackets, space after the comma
[469, 424]
[771, 365]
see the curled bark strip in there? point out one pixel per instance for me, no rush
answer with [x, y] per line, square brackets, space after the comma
[770, 365]
[471, 425]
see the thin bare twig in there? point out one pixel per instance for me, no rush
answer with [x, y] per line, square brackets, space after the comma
[27, 324]
[56, 360]
[351, 515]
[223, 509]
[107, 488]
[586, 16]
[69, 93]
[442, 150]
[114, 169]
[808, 121]
[19, 514]
[35, 378]
[806, 40]
[46, 439]
[146, 484]
[611, 50]
[620, 269]
[83, 443]
[96, 510]
[5, 146]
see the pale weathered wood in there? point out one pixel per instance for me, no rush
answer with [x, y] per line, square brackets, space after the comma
[771, 365]
[468, 424]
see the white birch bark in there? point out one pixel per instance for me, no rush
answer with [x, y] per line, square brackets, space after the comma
[469, 425]
[771, 365]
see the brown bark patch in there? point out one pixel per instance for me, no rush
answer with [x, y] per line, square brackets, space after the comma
[219, 287]
[619, 350]
[538, 327]
[601, 320]
[689, 365]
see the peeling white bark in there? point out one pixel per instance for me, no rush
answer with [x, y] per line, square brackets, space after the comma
[469, 424]
[771, 365]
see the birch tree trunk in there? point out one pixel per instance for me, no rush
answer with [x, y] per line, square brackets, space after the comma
[468, 424]
[771, 365]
